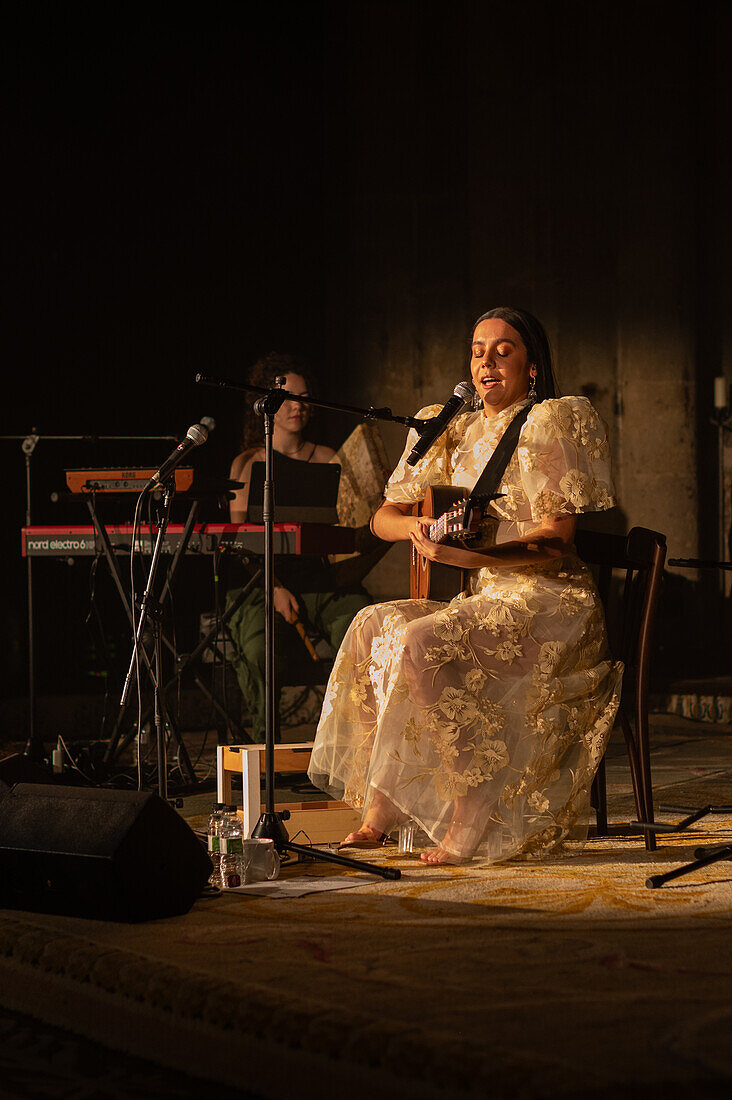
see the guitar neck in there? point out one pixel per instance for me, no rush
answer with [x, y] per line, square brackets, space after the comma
[452, 522]
[432, 580]
[438, 529]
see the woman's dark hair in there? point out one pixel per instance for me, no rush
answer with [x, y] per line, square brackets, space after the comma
[535, 341]
[263, 373]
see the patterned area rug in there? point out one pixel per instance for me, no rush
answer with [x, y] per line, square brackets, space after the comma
[604, 883]
[451, 982]
[38, 1060]
[567, 978]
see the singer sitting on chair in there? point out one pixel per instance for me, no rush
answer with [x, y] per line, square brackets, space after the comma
[483, 719]
[306, 588]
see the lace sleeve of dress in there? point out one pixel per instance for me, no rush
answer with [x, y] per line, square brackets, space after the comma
[564, 459]
[408, 484]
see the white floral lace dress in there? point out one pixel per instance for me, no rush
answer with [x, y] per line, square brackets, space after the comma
[484, 719]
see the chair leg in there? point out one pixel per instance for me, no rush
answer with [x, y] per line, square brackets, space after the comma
[634, 768]
[598, 798]
[641, 779]
[644, 759]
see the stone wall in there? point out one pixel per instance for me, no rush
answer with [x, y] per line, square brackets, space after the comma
[549, 161]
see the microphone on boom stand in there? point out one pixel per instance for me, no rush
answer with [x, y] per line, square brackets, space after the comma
[195, 436]
[434, 428]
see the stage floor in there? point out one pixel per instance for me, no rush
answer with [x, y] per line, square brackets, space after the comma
[567, 978]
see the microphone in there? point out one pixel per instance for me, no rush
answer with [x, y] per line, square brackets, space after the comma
[434, 428]
[195, 436]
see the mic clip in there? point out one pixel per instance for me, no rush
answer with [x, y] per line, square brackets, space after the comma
[164, 483]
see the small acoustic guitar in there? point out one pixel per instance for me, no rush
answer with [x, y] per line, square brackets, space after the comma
[458, 516]
[457, 519]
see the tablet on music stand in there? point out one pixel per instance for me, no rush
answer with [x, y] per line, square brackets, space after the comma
[305, 492]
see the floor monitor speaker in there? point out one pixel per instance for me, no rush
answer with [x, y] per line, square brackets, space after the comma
[104, 854]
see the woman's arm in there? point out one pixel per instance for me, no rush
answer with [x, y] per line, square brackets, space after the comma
[393, 522]
[552, 538]
[241, 470]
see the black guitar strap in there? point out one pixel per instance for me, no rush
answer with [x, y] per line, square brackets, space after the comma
[495, 468]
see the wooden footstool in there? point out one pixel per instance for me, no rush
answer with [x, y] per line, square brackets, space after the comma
[323, 822]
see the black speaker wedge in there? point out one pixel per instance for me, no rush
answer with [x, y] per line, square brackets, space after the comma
[103, 854]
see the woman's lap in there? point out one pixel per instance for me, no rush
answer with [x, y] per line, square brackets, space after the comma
[453, 703]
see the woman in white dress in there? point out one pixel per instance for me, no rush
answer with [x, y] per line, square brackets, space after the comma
[484, 719]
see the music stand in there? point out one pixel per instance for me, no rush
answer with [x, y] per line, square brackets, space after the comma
[306, 493]
[271, 823]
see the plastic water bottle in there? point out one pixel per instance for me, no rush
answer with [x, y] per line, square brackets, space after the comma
[231, 834]
[214, 850]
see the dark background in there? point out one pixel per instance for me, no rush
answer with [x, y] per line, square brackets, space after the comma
[354, 182]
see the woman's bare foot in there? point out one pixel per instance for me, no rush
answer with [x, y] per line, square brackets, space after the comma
[381, 817]
[442, 855]
[366, 836]
[457, 847]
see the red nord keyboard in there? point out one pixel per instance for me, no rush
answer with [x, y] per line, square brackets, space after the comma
[289, 538]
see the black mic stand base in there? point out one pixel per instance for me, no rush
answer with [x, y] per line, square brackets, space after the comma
[703, 857]
[271, 827]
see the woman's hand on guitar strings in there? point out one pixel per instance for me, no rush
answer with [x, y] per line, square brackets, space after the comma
[553, 539]
[419, 526]
[436, 551]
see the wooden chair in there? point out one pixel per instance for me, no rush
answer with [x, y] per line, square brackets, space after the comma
[641, 556]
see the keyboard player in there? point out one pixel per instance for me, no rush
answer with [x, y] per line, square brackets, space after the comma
[306, 589]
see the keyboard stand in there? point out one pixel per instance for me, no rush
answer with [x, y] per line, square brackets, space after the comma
[207, 642]
[114, 745]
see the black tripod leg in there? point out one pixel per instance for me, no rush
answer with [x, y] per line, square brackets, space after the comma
[205, 642]
[113, 748]
[180, 551]
[147, 713]
[343, 861]
[713, 849]
[111, 559]
[184, 760]
[655, 881]
[117, 746]
[223, 712]
[203, 645]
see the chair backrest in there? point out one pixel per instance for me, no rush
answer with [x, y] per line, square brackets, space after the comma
[641, 556]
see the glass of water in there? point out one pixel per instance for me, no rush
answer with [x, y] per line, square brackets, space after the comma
[406, 838]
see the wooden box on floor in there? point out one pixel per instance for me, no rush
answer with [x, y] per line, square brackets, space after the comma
[322, 822]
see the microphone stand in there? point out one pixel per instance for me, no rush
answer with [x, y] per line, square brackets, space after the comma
[150, 610]
[271, 823]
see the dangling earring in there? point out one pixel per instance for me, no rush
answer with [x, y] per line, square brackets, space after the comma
[477, 401]
[532, 390]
